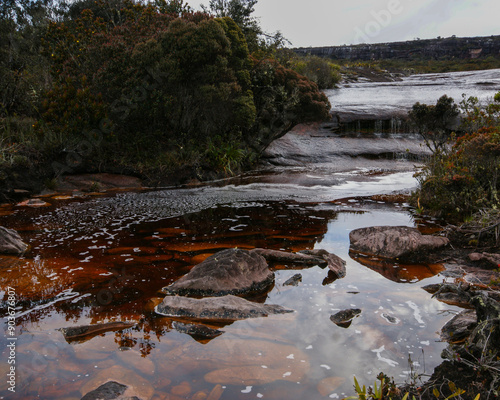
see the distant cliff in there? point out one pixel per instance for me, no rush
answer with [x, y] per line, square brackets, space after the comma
[432, 49]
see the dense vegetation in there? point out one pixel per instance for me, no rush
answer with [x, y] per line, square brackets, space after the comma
[462, 178]
[150, 88]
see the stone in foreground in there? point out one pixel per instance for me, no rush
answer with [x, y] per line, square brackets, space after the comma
[231, 271]
[394, 242]
[11, 242]
[226, 307]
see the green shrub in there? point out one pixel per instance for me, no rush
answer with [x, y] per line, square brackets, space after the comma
[465, 178]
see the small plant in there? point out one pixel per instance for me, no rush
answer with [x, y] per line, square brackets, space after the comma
[385, 390]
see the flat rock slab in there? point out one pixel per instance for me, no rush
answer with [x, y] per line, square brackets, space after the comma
[231, 271]
[86, 332]
[11, 242]
[278, 256]
[226, 307]
[394, 242]
[233, 361]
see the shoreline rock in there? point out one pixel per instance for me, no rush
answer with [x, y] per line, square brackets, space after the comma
[394, 242]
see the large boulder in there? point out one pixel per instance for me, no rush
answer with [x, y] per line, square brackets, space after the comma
[231, 271]
[11, 242]
[225, 307]
[394, 242]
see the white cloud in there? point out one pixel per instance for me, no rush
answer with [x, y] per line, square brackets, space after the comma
[337, 22]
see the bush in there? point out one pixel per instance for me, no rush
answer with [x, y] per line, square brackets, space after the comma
[459, 181]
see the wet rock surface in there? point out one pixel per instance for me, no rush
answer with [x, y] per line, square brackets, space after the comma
[109, 391]
[87, 332]
[226, 307]
[11, 242]
[344, 318]
[277, 256]
[231, 271]
[394, 242]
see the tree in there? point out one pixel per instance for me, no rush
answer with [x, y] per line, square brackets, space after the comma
[23, 70]
[435, 123]
[240, 11]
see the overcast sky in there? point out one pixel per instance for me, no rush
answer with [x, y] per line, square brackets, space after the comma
[337, 22]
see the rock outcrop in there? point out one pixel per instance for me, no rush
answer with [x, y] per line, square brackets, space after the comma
[394, 242]
[227, 307]
[11, 242]
[231, 271]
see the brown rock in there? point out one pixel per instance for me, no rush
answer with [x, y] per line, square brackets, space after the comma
[231, 271]
[135, 359]
[216, 393]
[232, 361]
[86, 332]
[226, 307]
[248, 375]
[11, 242]
[277, 256]
[199, 396]
[329, 385]
[183, 389]
[394, 242]
[492, 259]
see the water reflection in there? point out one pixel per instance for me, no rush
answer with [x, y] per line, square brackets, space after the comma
[97, 269]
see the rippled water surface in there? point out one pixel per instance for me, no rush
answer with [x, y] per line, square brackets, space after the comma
[105, 258]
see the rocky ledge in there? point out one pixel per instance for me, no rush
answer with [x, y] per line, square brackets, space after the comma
[226, 307]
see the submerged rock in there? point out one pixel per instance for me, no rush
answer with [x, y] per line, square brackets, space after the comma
[226, 307]
[248, 362]
[344, 318]
[394, 242]
[231, 271]
[11, 242]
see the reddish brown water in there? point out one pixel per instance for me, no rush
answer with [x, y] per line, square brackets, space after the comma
[106, 258]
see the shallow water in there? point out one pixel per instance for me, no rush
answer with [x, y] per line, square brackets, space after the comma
[104, 258]
[386, 98]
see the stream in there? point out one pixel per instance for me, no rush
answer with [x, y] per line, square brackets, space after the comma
[105, 257]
